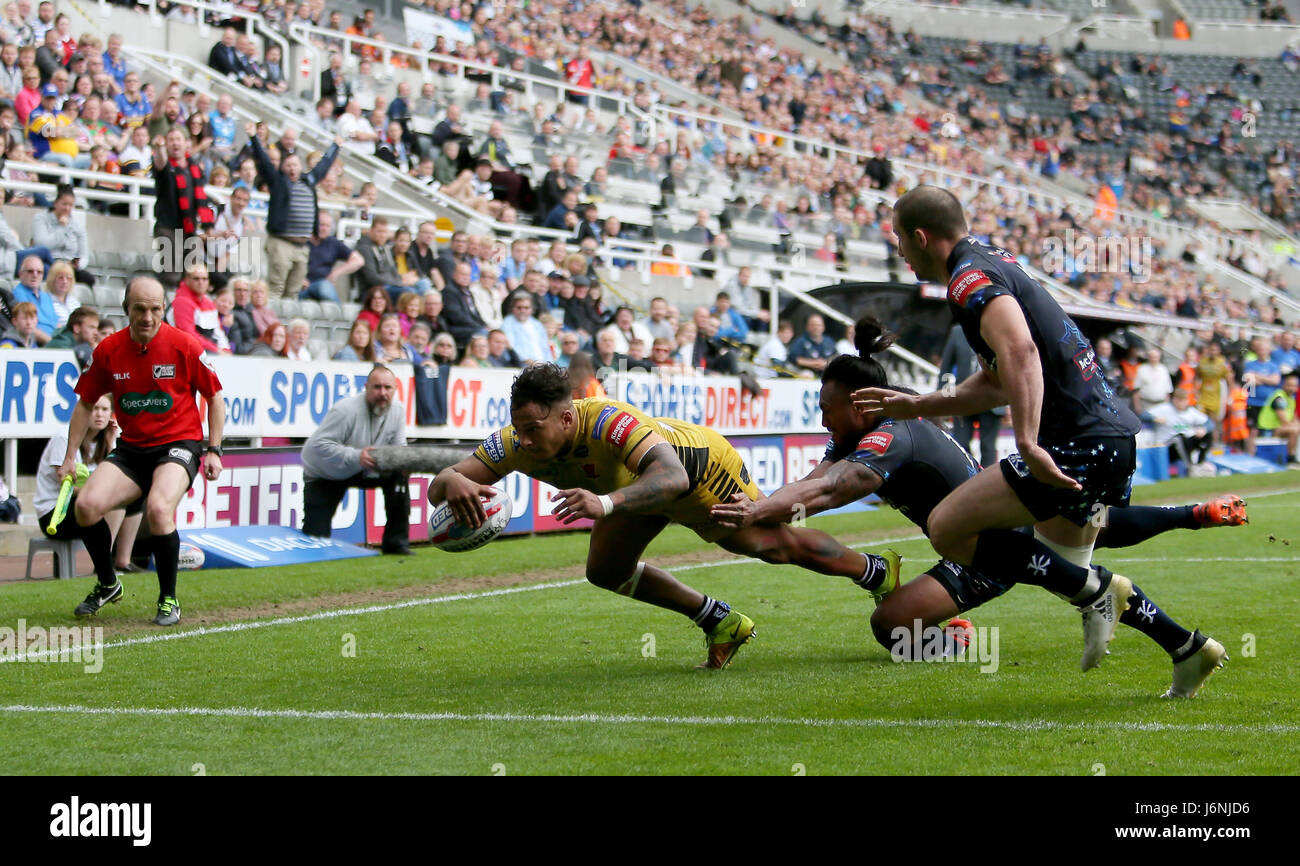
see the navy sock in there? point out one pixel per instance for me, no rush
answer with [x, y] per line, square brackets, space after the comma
[98, 539]
[1126, 527]
[1143, 615]
[711, 614]
[874, 573]
[166, 551]
[1009, 555]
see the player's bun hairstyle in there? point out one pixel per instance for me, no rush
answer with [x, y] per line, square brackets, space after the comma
[543, 384]
[862, 370]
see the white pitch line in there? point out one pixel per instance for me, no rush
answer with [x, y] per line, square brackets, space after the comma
[1027, 725]
[1206, 559]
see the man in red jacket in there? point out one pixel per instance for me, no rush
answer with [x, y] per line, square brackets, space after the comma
[152, 370]
[195, 313]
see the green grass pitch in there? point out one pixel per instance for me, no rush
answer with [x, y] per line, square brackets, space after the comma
[522, 668]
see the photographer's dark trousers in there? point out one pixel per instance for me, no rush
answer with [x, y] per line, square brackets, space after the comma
[1189, 449]
[321, 498]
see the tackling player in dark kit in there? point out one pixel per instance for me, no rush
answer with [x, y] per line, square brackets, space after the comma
[1076, 442]
[634, 475]
[914, 465]
[152, 370]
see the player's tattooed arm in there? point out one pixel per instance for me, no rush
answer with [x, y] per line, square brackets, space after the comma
[843, 482]
[663, 480]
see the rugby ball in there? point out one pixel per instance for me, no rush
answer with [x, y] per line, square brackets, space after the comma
[190, 558]
[453, 537]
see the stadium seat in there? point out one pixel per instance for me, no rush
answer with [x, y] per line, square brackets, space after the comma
[330, 311]
[289, 309]
[319, 351]
[64, 552]
[350, 311]
[310, 310]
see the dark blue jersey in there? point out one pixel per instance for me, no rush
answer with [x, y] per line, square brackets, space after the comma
[1077, 401]
[918, 463]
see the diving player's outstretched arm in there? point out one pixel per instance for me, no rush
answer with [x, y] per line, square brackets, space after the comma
[829, 485]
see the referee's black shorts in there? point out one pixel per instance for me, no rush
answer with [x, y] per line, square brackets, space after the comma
[139, 464]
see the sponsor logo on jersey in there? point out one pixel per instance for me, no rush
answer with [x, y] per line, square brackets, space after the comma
[120, 377]
[1087, 363]
[962, 288]
[598, 428]
[877, 443]
[495, 448]
[622, 428]
[155, 402]
[164, 371]
[181, 454]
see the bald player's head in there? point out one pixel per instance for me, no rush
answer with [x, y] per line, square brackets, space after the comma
[928, 222]
[933, 210]
[145, 304]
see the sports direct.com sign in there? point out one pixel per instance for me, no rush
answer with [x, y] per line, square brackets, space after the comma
[264, 487]
[274, 397]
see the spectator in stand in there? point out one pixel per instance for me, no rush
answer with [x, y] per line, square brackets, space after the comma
[1183, 428]
[389, 348]
[526, 335]
[360, 345]
[291, 222]
[443, 349]
[379, 265]
[58, 232]
[223, 123]
[243, 312]
[81, 335]
[625, 329]
[1286, 355]
[194, 312]
[732, 324]
[22, 334]
[476, 354]
[263, 315]
[58, 284]
[459, 310]
[771, 359]
[408, 307]
[29, 97]
[500, 353]
[240, 332]
[296, 347]
[53, 134]
[334, 85]
[813, 349]
[376, 303]
[31, 289]
[745, 298]
[273, 342]
[1261, 377]
[182, 212]
[232, 226]
[133, 107]
[1278, 416]
[223, 57]
[273, 80]
[328, 261]
[657, 324]
[1152, 385]
[560, 216]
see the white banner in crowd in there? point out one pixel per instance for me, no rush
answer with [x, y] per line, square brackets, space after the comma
[272, 397]
[425, 28]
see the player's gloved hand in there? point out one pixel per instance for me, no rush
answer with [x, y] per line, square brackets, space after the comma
[575, 504]
[462, 496]
[1044, 468]
[738, 512]
[895, 404]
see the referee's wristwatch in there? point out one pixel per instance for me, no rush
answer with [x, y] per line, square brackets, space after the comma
[214, 449]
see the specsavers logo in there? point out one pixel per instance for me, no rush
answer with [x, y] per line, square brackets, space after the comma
[156, 402]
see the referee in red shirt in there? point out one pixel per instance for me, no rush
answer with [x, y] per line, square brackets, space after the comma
[152, 370]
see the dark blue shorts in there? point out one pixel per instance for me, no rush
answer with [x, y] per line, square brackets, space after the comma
[1103, 465]
[968, 588]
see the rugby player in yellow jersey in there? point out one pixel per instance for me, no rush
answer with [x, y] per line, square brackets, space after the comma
[633, 475]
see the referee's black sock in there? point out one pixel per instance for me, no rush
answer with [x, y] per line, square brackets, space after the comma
[166, 551]
[1009, 555]
[98, 539]
[1135, 524]
[1143, 615]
